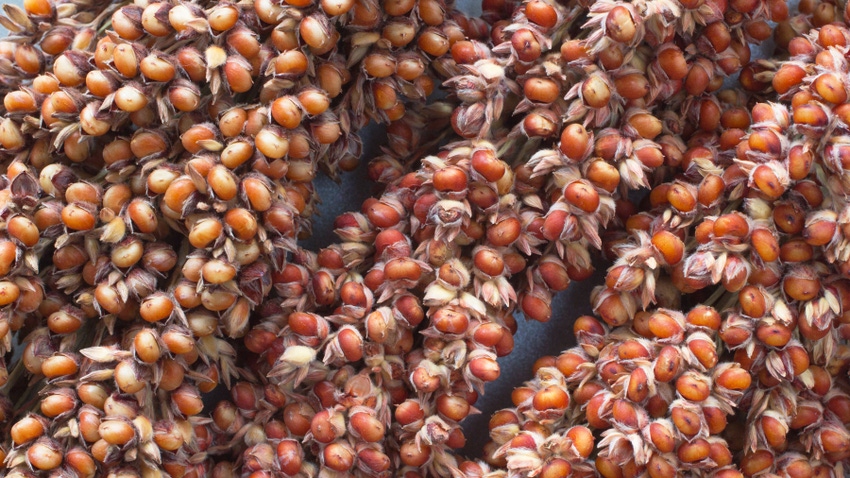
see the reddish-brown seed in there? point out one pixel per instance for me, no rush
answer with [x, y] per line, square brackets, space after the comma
[773, 334]
[673, 62]
[80, 461]
[450, 179]
[774, 431]
[704, 351]
[59, 365]
[593, 412]
[715, 418]
[550, 398]
[413, 454]
[338, 456]
[367, 427]
[830, 87]
[789, 217]
[765, 244]
[45, 454]
[694, 451]
[541, 13]
[662, 437]
[669, 245]
[582, 195]
[638, 389]
[116, 431]
[575, 141]
[704, 316]
[595, 92]
[504, 232]
[582, 439]
[752, 301]
[624, 414]
[801, 288]
[664, 326]
[685, 421]
[9, 292]
[788, 76]
[768, 182]
[619, 25]
[156, 307]
[755, 462]
[290, 456]
[693, 387]
[484, 368]
[26, 429]
[453, 407]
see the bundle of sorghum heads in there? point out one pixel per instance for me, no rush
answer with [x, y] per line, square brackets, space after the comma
[720, 348]
[159, 162]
